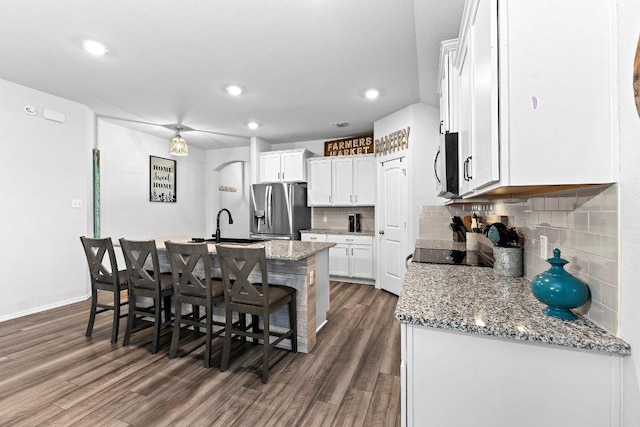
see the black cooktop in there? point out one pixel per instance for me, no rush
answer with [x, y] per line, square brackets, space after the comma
[449, 256]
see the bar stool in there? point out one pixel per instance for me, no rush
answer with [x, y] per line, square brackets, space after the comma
[188, 288]
[146, 283]
[244, 297]
[100, 271]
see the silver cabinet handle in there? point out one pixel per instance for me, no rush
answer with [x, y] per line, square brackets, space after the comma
[349, 240]
[356, 198]
[283, 175]
[351, 251]
[313, 238]
[347, 251]
[351, 198]
[330, 201]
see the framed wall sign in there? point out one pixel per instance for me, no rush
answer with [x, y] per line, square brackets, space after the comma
[636, 78]
[162, 180]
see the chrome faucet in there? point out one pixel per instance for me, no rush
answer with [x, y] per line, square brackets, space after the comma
[217, 235]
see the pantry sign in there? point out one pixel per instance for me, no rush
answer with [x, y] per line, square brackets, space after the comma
[349, 146]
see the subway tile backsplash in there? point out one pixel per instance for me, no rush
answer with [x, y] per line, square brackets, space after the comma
[338, 218]
[583, 224]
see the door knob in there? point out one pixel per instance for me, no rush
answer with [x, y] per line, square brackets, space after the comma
[381, 232]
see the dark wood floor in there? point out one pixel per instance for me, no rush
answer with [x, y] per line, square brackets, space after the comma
[51, 374]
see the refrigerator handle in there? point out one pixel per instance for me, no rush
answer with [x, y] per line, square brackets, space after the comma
[267, 208]
[271, 209]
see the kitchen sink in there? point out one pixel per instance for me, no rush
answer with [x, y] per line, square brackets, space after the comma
[230, 240]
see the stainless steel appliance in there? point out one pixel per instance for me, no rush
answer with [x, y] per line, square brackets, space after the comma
[279, 211]
[445, 166]
[452, 256]
[354, 223]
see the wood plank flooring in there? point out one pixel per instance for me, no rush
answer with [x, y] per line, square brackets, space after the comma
[51, 374]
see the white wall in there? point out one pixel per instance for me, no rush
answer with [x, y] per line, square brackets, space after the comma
[217, 161]
[126, 209]
[44, 167]
[422, 148]
[628, 32]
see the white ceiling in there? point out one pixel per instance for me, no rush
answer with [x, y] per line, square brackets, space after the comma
[304, 63]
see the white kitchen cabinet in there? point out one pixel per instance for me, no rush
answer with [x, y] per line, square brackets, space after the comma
[351, 257]
[448, 87]
[504, 382]
[541, 95]
[284, 166]
[342, 181]
[313, 237]
[464, 122]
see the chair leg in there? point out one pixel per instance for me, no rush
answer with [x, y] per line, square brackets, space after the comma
[116, 316]
[208, 311]
[167, 308]
[175, 338]
[255, 323]
[265, 349]
[227, 340]
[195, 312]
[293, 321]
[156, 324]
[130, 319]
[92, 312]
[242, 318]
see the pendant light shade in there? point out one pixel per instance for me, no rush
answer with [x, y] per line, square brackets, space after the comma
[178, 144]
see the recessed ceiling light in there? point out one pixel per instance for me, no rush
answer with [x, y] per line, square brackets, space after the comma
[372, 94]
[94, 48]
[234, 90]
[253, 125]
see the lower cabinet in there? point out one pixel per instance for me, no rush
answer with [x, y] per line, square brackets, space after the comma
[352, 257]
[452, 379]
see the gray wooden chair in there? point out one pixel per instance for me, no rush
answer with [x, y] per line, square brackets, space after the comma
[102, 279]
[145, 282]
[193, 285]
[259, 300]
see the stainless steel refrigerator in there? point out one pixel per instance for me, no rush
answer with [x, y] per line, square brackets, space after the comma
[279, 211]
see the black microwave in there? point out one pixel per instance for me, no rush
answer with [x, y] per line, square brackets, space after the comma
[445, 166]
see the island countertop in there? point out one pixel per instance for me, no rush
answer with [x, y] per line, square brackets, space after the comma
[286, 250]
[478, 301]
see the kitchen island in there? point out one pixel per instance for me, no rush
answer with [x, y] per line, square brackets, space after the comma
[301, 265]
[477, 350]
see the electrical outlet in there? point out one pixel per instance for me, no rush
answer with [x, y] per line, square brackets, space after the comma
[544, 243]
[324, 218]
[76, 203]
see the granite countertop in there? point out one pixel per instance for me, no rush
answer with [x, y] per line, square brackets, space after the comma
[478, 301]
[287, 250]
[329, 231]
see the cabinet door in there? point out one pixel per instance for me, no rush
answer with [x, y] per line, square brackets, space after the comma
[292, 167]
[319, 185]
[269, 167]
[339, 260]
[364, 181]
[342, 182]
[464, 134]
[483, 166]
[361, 261]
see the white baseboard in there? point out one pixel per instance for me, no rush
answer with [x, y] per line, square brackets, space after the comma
[43, 308]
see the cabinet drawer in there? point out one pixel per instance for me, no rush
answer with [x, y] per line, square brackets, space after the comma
[312, 237]
[350, 239]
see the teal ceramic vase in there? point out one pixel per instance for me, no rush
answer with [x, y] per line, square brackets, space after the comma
[560, 290]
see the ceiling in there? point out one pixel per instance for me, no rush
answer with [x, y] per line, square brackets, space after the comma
[303, 63]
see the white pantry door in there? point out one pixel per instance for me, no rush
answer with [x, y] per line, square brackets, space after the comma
[392, 224]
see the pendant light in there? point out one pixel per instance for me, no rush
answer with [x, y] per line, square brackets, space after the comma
[178, 144]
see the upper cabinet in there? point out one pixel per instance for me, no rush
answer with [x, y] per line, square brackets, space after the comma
[342, 181]
[284, 166]
[536, 102]
[448, 87]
